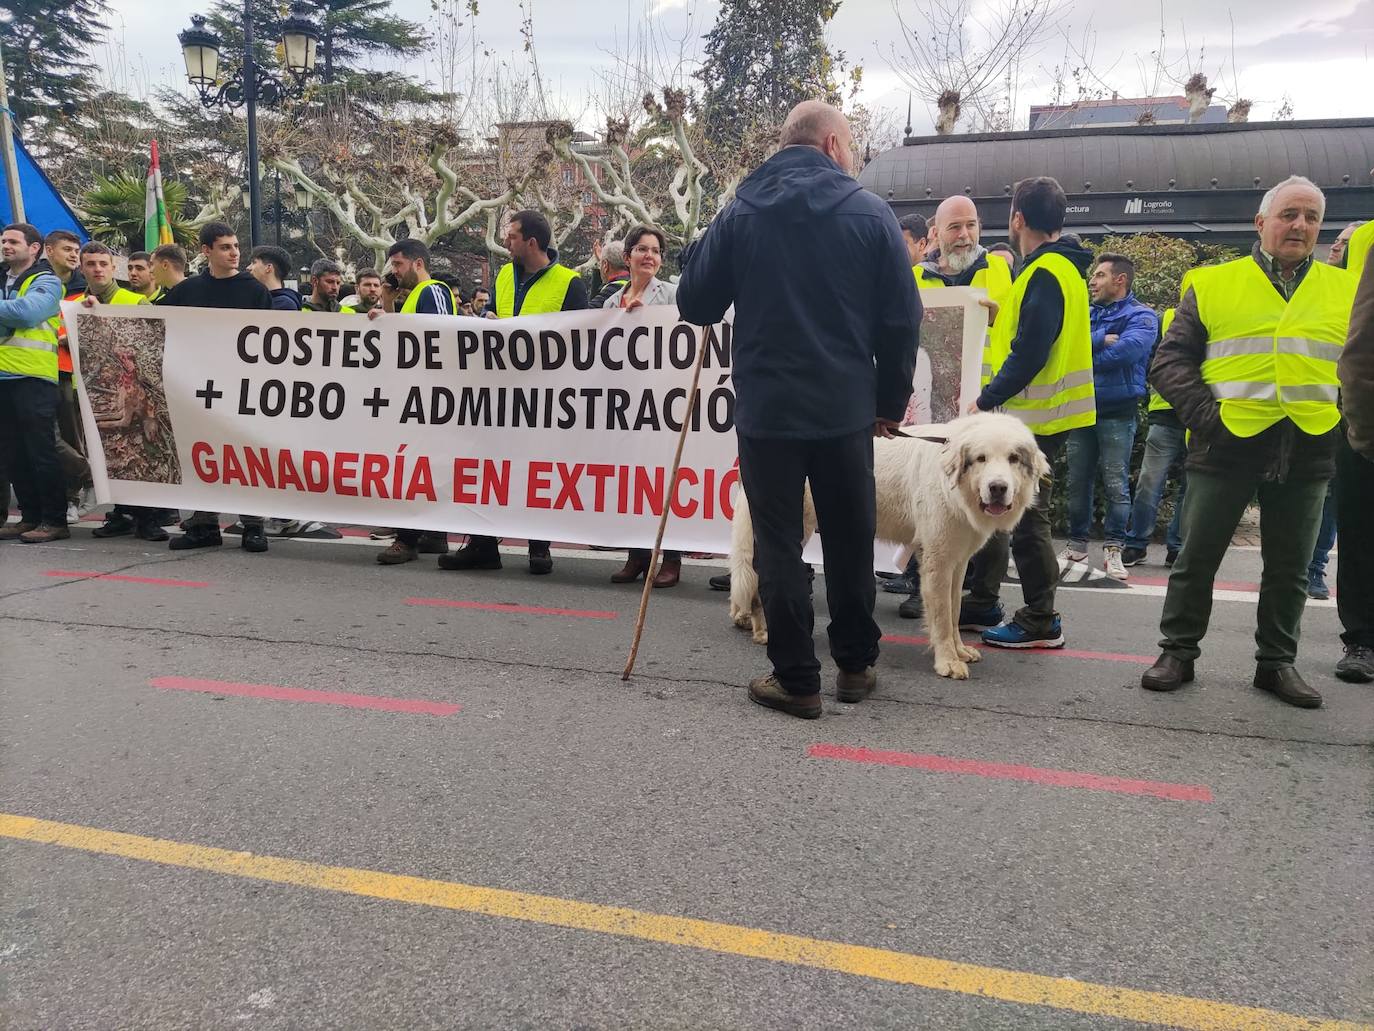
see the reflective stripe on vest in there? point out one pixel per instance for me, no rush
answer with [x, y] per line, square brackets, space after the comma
[1269, 359]
[413, 298]
[545, 295]
[1061, 395]
[31, 350]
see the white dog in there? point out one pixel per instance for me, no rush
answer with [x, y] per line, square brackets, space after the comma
[942, 500]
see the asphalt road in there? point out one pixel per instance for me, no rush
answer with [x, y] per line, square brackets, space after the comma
[218, 815]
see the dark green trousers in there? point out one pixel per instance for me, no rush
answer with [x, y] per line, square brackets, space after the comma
[1290, 516]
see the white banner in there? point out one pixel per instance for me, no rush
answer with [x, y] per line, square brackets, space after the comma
[554, 427]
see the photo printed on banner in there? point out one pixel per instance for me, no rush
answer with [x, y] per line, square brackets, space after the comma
[121, 372]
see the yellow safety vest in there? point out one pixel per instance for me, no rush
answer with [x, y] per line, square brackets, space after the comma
[1269, 359]
[1357, 249]
[31, 350]
[1157, 403]
[121, 296]
[546, 295]
[413, 298]
[995, 279]
[1061, 395]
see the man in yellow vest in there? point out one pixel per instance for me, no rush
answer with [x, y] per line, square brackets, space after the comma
[962, 261]
[98, 270]
[408, 273]
[1359, 249]
[30, 296]
[1249, 364]
[1355, 489]
[533, 283]
[1165, 445]
[1040, 369]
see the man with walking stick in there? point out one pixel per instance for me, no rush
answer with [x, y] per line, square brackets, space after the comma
[826, 324]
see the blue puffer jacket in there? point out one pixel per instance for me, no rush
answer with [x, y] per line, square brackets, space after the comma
[1119, 367]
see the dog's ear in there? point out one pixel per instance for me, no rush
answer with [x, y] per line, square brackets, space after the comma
[954, 459]
[1040, 465]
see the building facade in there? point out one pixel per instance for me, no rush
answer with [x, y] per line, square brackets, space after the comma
[1200, 182]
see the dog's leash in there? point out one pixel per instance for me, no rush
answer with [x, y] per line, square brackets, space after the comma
[917, 436]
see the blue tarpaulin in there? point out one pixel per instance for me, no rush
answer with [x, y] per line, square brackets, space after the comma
[43, 205]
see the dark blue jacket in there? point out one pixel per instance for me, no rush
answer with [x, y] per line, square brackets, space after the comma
[826, 311]
[1119, 368]
[286, 299]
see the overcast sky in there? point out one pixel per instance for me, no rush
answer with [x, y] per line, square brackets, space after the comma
[1319, 52]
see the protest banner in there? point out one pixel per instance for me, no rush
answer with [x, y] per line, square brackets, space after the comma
[555, 427]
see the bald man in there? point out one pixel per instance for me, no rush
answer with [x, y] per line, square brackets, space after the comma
[962, 261]
[824, 350]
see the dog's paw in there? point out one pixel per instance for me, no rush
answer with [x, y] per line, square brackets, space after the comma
[955, 670]
[969, 654]
[760, 636]
[742, 620]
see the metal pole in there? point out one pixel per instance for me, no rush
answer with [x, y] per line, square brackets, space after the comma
[279, 208]
[250, 91]
[7, 145]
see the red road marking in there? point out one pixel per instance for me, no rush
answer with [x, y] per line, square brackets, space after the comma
[1067, 653]
[533, 610]
[301, 694]
[154, 580]
[1003, 771]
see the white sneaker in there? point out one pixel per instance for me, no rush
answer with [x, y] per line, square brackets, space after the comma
[86, 503]
[1111, 562]
[1069, 556]
[73, 515]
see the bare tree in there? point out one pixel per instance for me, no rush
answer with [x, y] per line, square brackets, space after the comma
[957, 54]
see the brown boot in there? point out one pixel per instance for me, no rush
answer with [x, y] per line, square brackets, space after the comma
[397, 553]
[14, 530]
[45, 534]
[631, 571]
[669, 573]
[767, 691]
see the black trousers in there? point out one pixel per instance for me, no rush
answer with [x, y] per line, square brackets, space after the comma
[840, 471]
[1031, 544]
[1355, 565]
[28, 437]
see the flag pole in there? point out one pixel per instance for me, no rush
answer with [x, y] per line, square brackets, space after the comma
[667, 505]
[7, 146]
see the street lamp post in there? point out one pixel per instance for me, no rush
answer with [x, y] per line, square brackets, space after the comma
[251, 84]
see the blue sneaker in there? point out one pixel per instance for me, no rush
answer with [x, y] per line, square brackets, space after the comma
[976, 618]
[1011, 635]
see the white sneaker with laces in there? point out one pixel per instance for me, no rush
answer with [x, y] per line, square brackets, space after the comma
[1111, 562]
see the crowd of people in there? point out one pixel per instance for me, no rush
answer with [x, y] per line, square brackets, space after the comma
[1240, 382]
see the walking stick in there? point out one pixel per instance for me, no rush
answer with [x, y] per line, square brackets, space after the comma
[667, 504]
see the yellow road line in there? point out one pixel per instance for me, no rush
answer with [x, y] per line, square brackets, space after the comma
[881, 964]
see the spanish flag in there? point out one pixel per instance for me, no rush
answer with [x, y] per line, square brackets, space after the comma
[156, 229]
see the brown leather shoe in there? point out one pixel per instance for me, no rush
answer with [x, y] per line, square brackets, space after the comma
[1287, 684]
[1167, 674]
[45, 534]
[13, 531]
[855, 687]
[669, 573]
[631, 571]
[768, 692]
[396, 553]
